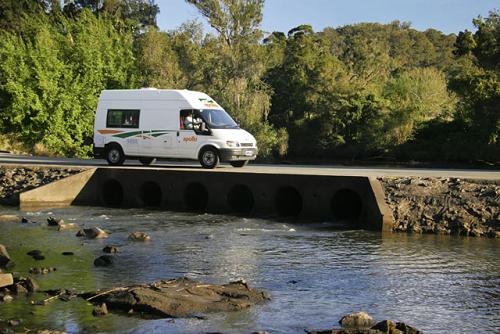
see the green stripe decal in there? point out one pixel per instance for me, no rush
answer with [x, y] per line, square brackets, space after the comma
[128, 134]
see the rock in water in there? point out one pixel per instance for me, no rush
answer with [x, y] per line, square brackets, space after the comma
[34, 252]
[180, 297]
[110, 249]
[357, 320]
[68, 226]
[4, 257]
[92, 233]
[6, 280]
[104, 261]
[55, 222]
[385, 326]
[139, 236]
[100, 310]
[407, 329]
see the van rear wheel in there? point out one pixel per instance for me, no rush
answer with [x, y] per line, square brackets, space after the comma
[209, 158]
[147, 161]
[241, 163]
[114, 155]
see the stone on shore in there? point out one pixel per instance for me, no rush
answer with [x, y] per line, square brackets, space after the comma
[180, 297]
[139, 236]
[6, 280]
[358, 320]
[92, 233]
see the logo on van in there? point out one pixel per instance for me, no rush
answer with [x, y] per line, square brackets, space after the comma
[192, 138]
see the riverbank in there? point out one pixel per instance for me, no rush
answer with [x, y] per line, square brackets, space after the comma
[15, 180]
[444, 205]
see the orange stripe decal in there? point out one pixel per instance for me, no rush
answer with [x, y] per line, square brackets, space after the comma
[107, 132]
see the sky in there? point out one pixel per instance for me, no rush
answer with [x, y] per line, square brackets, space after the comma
[448, 16]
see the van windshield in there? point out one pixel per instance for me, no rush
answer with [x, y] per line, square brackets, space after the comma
[218, 119]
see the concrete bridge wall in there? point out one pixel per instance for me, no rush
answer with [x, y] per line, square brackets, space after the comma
[359, 200]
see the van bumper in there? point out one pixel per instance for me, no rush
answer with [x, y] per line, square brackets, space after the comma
[98, 152]
[237, 154]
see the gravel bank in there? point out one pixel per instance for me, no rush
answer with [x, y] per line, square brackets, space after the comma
[15, 180]
[444, 205]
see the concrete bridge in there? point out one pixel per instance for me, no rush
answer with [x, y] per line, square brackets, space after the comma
[305, 197]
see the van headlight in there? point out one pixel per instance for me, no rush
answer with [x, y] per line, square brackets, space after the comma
[230, 143]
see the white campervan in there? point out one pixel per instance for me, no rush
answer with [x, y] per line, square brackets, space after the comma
[151, 123]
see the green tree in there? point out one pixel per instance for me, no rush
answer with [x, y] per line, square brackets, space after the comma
[50, 79]
[477, 82]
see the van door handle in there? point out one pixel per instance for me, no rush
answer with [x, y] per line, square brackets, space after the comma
[178, 133]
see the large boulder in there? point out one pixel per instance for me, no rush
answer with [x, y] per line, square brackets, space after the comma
[180, 297]
[357, 320]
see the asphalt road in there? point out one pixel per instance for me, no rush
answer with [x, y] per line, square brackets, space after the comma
[9, 159]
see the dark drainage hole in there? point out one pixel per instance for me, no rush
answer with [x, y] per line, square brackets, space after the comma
[240, 199]
[288, 202]
[196, 197]
[346, 204]
[151, 194]
[112, 193]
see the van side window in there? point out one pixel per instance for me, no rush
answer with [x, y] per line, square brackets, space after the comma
[122, 118]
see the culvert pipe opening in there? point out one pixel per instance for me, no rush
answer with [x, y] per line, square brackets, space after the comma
[112, 193]
[346, 204]
[195, 197]
[288, 201]
[151, 194]
[240, 199]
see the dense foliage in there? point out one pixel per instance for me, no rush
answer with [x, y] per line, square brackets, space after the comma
[354, 92]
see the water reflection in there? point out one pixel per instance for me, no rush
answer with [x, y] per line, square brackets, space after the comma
[315, 275]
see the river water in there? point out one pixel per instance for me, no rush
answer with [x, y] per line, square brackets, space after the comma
[314, 273]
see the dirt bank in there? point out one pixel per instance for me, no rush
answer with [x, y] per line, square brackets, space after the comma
[444, 205]
[15, 180]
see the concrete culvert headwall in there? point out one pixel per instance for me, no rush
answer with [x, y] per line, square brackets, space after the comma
[151, 194]
[288, 201]
[359, 200]
[346, 204]
[112, 193]
[240, 199]
[195, 197]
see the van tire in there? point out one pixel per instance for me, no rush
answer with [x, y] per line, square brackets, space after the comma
[114, 155]
[209, 157]
[240, 163]
[147, 161]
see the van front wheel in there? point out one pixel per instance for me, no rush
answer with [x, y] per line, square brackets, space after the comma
[114, 155]
[209, 158]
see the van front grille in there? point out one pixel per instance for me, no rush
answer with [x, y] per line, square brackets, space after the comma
[246, 144]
